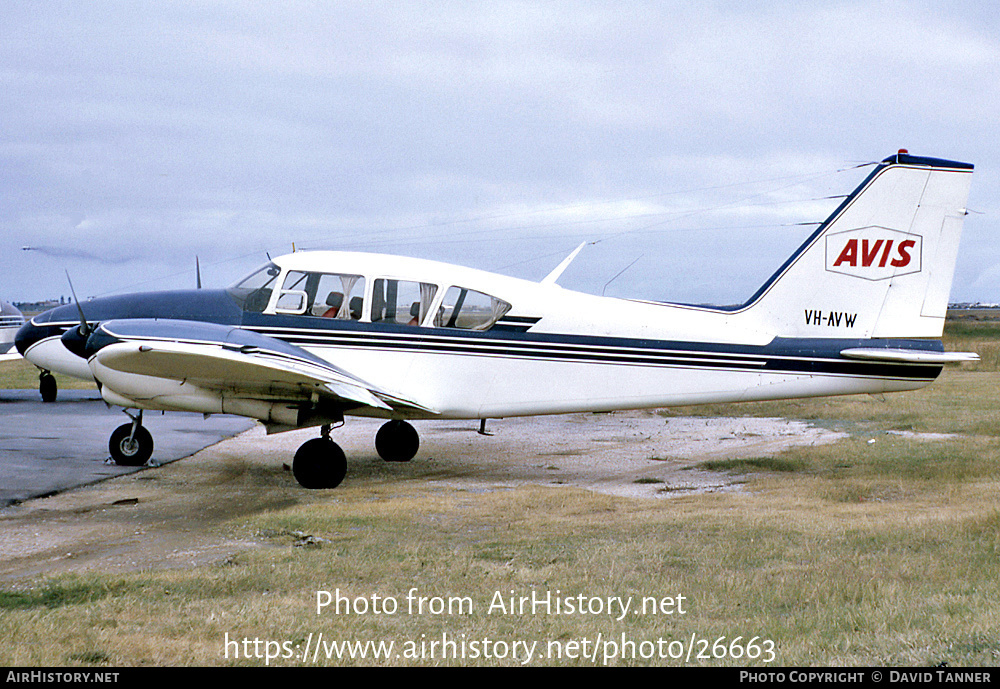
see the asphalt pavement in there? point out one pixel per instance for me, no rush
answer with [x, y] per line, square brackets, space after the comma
[48, 448]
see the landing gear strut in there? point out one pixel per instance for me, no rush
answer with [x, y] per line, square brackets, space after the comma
[131, 445]
[397, 441]
[320, 463]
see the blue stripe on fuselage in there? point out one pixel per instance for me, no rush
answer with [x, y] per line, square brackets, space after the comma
[781, 355]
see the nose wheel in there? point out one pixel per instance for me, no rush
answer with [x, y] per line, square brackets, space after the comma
[131, 445]
[47, 386]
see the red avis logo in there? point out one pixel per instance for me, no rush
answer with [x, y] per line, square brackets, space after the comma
[874, 253]
[849, 255]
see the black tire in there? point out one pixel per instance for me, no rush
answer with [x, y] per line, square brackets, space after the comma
[319, 463]
[47, 386]
[397, 441]
[134, 454]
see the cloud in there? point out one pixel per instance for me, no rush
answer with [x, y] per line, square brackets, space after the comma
[224, 129]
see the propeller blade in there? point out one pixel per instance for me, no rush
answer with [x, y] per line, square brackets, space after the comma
[84, 328]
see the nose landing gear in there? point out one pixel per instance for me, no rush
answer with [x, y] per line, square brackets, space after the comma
[47, 386]
[131, 445]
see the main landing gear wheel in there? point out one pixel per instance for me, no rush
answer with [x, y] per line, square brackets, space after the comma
[47, 386]
[128, 448]
[397, 441]
[319, 463]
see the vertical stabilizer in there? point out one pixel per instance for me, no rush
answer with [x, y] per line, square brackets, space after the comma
[881, 265]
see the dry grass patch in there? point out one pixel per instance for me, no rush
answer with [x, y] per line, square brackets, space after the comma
[830, 581]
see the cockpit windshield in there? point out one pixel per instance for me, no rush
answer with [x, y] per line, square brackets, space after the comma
[253, 292]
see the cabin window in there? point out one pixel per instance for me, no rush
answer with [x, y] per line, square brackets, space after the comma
[468, 309]
[339, 296]
[253, 292]
[325, 295]
[401, 302]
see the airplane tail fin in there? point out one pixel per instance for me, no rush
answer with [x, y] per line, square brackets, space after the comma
[881, 265]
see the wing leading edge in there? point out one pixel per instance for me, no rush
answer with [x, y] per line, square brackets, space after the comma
[141, 359]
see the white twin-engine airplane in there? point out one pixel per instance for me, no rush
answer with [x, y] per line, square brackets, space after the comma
[314, 336]
[11, 321]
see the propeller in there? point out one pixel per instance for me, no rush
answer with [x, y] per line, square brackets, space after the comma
[197, 270]
[75, 339]
[84, 327]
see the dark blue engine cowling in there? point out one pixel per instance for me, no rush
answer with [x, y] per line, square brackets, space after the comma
[214, 306]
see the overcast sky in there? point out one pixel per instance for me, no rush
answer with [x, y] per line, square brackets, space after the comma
[690, 138]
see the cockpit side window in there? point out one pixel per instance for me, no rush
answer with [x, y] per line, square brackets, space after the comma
[293, 298]
[468, 309]
[401, 302]
[253, 292]
[326, 295]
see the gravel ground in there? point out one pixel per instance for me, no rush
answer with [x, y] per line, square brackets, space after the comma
[169, 516]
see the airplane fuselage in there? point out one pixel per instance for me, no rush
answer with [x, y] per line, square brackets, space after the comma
[562, 352]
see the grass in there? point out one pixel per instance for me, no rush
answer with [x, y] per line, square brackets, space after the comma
[21, 375]
[830, 578]
[881, 549]
[980, 336]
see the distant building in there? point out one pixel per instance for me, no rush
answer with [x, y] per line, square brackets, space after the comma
[966, 305]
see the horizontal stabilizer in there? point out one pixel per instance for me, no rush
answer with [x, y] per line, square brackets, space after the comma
[908, 356]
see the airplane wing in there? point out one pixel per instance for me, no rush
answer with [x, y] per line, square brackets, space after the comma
[10, 356]
[232, 361]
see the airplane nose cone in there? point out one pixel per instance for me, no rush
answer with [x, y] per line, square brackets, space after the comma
[40, 342]
[27, 335]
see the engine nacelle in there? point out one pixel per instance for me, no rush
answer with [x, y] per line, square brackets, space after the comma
[131, 390]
